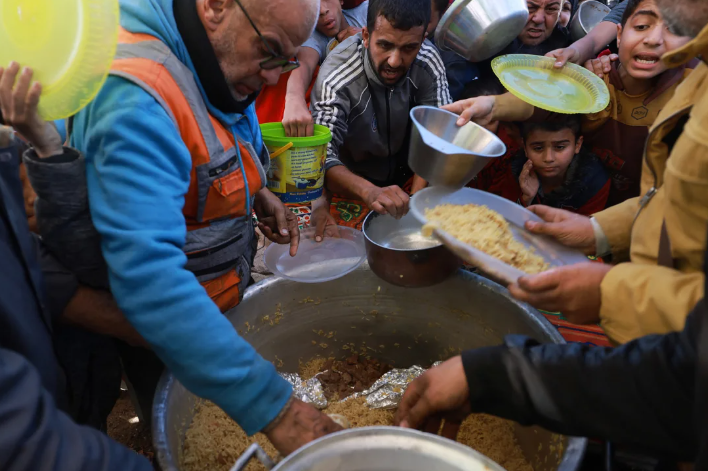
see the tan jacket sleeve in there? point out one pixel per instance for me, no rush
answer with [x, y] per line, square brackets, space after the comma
[616, 223]
[639, 300]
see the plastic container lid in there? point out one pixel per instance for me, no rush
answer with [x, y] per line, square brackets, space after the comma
[70, 45]
[317, 262]
[274, 135]
[570, 90]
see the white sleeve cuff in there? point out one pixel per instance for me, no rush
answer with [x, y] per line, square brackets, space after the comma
[602, 245]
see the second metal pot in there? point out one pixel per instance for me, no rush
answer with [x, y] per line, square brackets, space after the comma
[399, 254]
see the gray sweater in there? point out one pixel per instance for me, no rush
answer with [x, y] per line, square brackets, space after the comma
[369, 120]
[63, 216]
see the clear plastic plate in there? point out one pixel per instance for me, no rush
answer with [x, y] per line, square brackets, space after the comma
[552, 252]
[317, 262]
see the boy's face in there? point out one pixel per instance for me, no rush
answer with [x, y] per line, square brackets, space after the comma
[643, 40]
[330, 21]
[551, 151]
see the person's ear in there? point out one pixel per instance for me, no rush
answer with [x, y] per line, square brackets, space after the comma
[215, 11]
[619, 35]
[578, 144]
[365, 36]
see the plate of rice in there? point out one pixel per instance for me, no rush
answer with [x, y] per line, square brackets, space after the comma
[487, 231]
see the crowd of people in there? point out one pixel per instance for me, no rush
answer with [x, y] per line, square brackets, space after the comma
[127, 230]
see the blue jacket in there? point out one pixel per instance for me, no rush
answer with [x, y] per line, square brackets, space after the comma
[138, 172]
[34, 434]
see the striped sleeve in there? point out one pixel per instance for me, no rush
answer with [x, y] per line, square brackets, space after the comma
[330, 103]
[434, 89]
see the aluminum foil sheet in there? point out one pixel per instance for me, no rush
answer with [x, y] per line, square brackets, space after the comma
[387, 391]
[309, 391]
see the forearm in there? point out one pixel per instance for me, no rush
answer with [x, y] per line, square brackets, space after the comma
[298, 84]
[341, 181]
[638, 394]
[508, 107]
[97, 311]
[37, 436]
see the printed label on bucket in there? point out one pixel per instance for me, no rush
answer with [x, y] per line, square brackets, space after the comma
[297, 175]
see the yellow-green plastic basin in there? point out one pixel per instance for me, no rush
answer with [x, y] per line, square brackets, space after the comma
[570, 90]
[274, 135]
[69, 44]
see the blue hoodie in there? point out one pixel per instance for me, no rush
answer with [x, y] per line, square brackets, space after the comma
[138, 172]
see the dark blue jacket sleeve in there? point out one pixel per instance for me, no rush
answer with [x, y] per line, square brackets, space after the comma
[641, 393]
[36, 436]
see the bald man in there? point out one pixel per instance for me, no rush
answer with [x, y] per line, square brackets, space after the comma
[175, 165]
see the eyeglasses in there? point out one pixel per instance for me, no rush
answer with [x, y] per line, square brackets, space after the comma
[275, 60]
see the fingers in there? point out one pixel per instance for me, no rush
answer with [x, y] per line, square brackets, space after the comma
[607, 61]
[379, 208]
[450, 429]
[475, 112]
[19, 95]
[545, 281]
[281, 220]
[395, 201]
[294, 232]
[412, 395]
[546, 213]
[310, 130]
[550, 300]
[32, 101]
[7, 83]
[562, 56]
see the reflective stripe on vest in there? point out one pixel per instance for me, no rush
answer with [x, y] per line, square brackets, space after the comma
[225, 173]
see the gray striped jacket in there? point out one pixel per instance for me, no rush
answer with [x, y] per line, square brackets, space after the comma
[369, 120]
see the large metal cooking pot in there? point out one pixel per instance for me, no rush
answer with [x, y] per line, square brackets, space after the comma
[400, 254]
[407, 327]
[589, 15]
[479, 29]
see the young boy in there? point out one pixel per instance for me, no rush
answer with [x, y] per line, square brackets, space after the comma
[554, 169]
[640, 86]
[288, 101]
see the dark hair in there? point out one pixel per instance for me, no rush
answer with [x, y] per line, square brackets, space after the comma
[402, 14]
[441, 6]
[553, 124]
[632, 6]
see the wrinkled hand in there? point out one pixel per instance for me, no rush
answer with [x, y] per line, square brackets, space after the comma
[479, 109]
[275, 221]
[528, 181]
[563, 56]
[601, 65]
[419, 183]
[297, 119]
[390, 200]
[18, 102]
[348, 33]
[301, 424]
[573, 290]
[440, 393]
[570, 229]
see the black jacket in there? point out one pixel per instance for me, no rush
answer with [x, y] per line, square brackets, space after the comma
[651, 392]
[35, 435]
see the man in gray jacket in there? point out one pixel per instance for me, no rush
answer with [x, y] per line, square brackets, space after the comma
[364, 92]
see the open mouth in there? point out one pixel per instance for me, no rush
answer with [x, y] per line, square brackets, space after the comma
[390, 74]
[330, 24]
[535, 33]
[647, 59]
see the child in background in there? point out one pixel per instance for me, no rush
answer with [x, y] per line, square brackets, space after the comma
[555, 170]
[640, 86]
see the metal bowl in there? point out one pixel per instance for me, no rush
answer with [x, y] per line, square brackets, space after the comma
[405, 326]
[400, 254]
[479, 29]
[589, 15]
[446, 154]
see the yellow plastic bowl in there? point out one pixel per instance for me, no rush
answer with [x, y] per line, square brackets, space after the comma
[570, 90]
[70, 45]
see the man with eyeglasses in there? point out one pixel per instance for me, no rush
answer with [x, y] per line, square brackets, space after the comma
[175, 165]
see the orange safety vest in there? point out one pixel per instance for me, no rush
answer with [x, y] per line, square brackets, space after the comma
[225, 174]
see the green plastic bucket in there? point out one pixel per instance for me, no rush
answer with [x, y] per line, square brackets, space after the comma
[296, 173]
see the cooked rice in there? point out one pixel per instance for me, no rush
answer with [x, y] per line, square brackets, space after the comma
[214, 442]
[485, 230]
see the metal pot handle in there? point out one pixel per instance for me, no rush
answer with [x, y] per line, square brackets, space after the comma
[256, 451]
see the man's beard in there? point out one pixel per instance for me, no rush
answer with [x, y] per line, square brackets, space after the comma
[384, 66]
